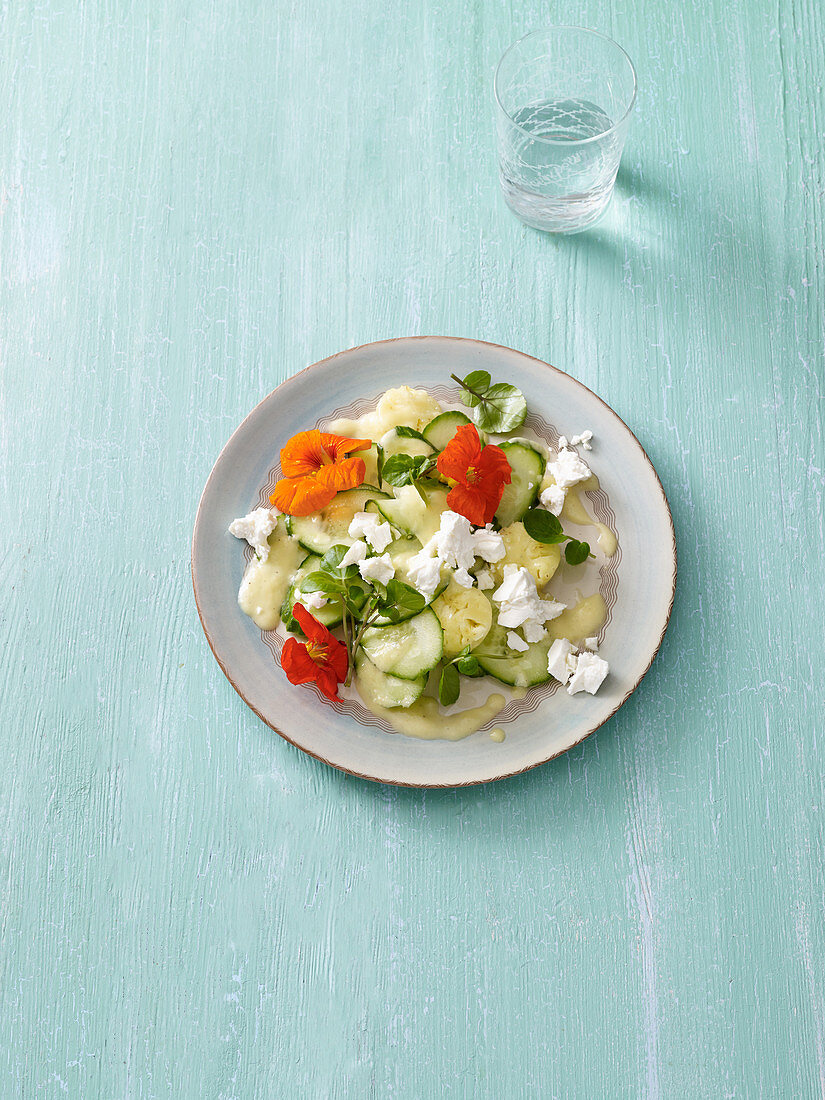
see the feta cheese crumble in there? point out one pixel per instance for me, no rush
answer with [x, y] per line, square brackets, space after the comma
[591, 643]
[488, 544]
[589, 674]
[568, 469]
[424, 573]
[582, 440]
[377, 569]
[521, 605]
[515, 641]
[312, 601]
[484, 579]
[552, 498]
[256, 529]
[356, 553]
[557, 658]
[369, 526]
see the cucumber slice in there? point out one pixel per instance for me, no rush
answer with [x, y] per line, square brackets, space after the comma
[329, 615]
[330, 526]
[395, 444]
[401, 551]
[383, 689]
[527, 467]
[407, 649]
[441, 430]
[517, 669]
[414, 515]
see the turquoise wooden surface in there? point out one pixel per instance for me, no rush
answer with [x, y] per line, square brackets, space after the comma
[200, 199]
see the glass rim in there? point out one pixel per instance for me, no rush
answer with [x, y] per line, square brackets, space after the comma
[565, 141]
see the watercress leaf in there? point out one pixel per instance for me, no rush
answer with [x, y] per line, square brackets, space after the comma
[576, 552]
[405, 469]
[449, 686]
[543, 526]
[477, 381]
[404, 597]
[469, 666]
[405, 432]
[399, 470]
[322, 582]
[503, 409]
[331, 561]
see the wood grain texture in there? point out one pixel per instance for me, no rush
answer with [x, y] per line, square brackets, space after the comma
[197, 200]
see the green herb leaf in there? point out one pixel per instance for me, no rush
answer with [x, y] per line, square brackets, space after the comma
[380, 463]
[403, 432]
[543, 526]
[576, 552]
[405, 469]
[469, 666]
[502, 410]
[403, 597]
[322, 582]
[331, 562]
[475, 386]
[449, 686]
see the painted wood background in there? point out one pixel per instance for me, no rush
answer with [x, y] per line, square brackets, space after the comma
[198, 199]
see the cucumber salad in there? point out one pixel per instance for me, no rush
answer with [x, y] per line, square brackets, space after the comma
[424, 553]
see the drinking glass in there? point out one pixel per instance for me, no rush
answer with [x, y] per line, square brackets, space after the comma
[564, 98]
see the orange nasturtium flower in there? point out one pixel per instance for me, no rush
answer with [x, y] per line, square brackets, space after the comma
[316, 467]
[480, 474]
[320, 660]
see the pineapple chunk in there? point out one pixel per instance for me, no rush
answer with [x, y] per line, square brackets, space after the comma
[539, 559]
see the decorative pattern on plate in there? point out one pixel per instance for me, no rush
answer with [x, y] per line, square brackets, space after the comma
[608, 574]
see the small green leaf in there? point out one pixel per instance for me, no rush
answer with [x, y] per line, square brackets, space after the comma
[469, 666]
[379, 463]
[543, 526]
[475, 385]
[331, 561]
[449, 686]
[502, 410]
[403, 432]
[403, 597]
[576, 552]
[405, 469]
[322, 582]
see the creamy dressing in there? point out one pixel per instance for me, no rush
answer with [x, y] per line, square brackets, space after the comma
[265, 583]
[575, 511]
[426, 720]
[497, 735]
[584, 620]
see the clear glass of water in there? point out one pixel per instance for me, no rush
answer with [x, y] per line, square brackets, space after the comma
[564, 99]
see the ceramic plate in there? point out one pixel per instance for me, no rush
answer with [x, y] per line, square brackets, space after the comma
[638, 582]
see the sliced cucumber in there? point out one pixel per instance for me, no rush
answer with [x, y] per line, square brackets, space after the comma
[330, 526]
[407, 649]
[414, 515]
[527, 467]
[441, 430]
[395, 444]
[517, 669]
[401, 551]
[329, 615]
[382, 689]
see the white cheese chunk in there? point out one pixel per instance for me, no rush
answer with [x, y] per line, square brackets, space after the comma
[369, 526]
[424, 573]
[552, 499]
[560, 650]
[484, 579]
[256, 529]
[312, 601]
[465, 579]
[563, 444]
[589, 674]
[377, 569]
[591, 643]
[514, 641]
[582, 440]
[568, 469]
[357, 552]
[488, 544]
[520, 604]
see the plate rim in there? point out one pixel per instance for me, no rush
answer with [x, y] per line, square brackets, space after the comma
[400, 782]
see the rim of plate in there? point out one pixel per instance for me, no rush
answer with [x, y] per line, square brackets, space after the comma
[399, 782]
